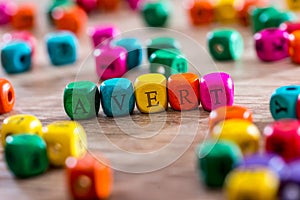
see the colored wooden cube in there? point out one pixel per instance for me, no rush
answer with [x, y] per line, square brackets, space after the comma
[134, 4]
[24, 17]
[290, 27]
[6, 11]
[109, 5]
[7, 96]
[183, 91]
[215, 160]
[274, 21]
[168, 62]
[293, 4]
[16, 57]
[102, 35]
[229, 112]
[19, 124]
[64, 139]
[26, 155]
[259, 17]
[225, 11]
[283, 139]
[201, 12]
[161, 43]
[110, 62]
[81, 100]
[62, 47]
[87, 5]
[156, 14]
[134, 51]
[242, 132]
[255, 183]
[20, 36]
[117, 97]
[62, 4]
[69, 18]
[151, 93]
[294, 46]
[89, 177]
[216, 90]
[284, 102]
[225, 44]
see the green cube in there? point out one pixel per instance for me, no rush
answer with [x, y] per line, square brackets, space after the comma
[162, 43]
[259, 17]
[274, 21]
[81, 100]
[225, 44]
[215, 160]
[156, 14]
[26, 155]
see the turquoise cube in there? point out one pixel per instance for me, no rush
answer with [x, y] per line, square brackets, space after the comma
[16, 57]
[62, 47]
[283, 102]
[156, 14]
[117, 97]
[134, 51]
[259, 16]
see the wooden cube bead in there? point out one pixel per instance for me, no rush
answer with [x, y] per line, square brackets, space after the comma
[294, 46]
[151, 93]
[242, 132]
[293, 4]
[7, 96]
[161, 43]
[134, 4]
[225, 44]
[88, 5]
[258, 183]
[260, 15]
[26, 155]
[16, 57]
[24, 17]
[109, 5]
[57, 4]
[117, 97]
[102, 35]
[215, 160]
[201, 12]
[155, 14]
[183, 91]
[81, 100]
[168, 62]
[229, 112]
[225, 11]
[62, 47]
[284, 102]
[6, 12]
[89, 177]
[64, 139]
[19, 124]
[25, 36]
[110, 62]
[216, 90]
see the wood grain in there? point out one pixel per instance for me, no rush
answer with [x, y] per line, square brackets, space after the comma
[39, 92]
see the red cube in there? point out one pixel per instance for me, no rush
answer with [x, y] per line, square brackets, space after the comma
[7, 96]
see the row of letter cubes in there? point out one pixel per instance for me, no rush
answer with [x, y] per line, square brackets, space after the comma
[150, 92]
[29, 149]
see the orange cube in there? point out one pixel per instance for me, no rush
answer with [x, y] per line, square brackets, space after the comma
[183, 91]
[294, 46]
[70, 18]
[201, 12]
[108, 5]
[24, 17]
[7, 96]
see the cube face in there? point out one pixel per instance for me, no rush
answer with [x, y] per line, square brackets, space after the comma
[259, 17]
[110, 62]
[293, 4]
[155, 14]
[26, 155]
[162, 43]
[225, 11]
[283, 102]
[225, 44]
[242, 132]
[151, 93]
[7, 96]
[18, 124]
[64, 139]
[183, 91]
[271, 44]
[201, 12]
[100, 35]
[117, 97]
[16, 57]
[24, 17]
[215, 160]
[216, 90]
[81, 100]
[62, 48]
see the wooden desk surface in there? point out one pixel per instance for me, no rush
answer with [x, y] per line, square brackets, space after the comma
[39, 92]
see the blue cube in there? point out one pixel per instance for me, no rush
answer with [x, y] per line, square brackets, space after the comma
[134, 51]
[62, 47]
[117, 97]
[16, 57]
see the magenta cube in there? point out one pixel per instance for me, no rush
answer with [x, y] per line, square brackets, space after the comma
[216, 90]
[87, 5]
[110, 62]
[102, 35]
[134, 4]
[6, 11]
[290, 26]
[21, 35]
[271, 44]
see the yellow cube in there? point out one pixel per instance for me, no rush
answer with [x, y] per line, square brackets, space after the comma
[151, 93]
[20, 124]
[244, 133]
[64, 139]
[293, 4]
[252, 183]
[225, 11]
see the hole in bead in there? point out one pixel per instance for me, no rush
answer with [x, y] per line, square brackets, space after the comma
[219, 48]
[161, 70]
[9, 96]
[56, 148]
[23, 59]
[291, 88]
[83, 184]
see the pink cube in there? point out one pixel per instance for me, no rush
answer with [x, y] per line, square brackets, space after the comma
[6, 11]
[21, 35]
[102, 34]
[290, 26]
[87, 5]
[134, 4]
[110, 62]
[216, 90]
[271, 44]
